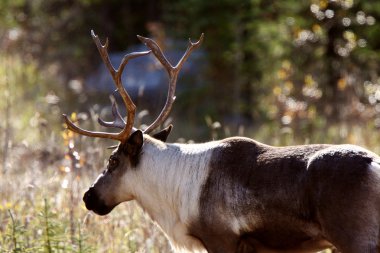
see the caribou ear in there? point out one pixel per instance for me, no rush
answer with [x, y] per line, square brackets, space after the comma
[163, 134]
[134, 143]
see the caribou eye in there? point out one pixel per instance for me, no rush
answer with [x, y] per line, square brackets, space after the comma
[113, 163]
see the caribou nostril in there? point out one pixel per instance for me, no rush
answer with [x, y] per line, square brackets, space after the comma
[87, 195]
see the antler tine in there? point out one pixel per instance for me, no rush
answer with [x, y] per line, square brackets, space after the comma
[116, 76]
[192, 46]
[76, 129]
[118, 121]
[173, 75]
[103, 53]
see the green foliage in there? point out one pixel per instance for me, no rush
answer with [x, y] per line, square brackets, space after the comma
[45, 234]
[51, 240]
[41, 208]
[261, 54]
[27, 99]
[80, 244]
[270, 60]
[15, 236]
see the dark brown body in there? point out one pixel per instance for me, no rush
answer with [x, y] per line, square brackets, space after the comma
[290, 198]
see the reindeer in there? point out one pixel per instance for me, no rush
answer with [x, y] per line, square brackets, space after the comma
[236, 195]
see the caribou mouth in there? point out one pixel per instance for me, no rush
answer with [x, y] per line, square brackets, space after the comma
[102, 210]
[95, 204]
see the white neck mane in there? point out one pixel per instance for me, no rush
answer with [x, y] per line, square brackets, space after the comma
[175, 174]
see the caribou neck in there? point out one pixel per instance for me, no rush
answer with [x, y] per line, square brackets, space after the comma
[175, 174]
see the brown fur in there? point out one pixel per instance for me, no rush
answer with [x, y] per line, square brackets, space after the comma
[289, 206]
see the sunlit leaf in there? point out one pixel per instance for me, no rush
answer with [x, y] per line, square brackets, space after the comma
[323, 4]
[309, 80]
[317, 28]
[282, 74]
[342, 83]
[73, 116]
[277, 90]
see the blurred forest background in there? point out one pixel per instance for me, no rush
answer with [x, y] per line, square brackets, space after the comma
[282, 72]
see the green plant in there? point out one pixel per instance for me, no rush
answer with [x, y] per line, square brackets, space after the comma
[15, 235]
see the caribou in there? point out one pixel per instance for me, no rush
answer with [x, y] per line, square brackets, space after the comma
[235, 195]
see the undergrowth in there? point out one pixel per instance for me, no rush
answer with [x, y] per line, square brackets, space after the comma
[44, 175]
[41, 207]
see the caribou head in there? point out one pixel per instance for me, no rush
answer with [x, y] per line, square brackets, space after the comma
[110, 188]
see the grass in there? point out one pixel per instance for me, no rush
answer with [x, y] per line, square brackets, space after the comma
[44, 176]
[41, 207]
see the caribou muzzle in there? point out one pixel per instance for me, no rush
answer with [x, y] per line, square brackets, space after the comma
[95, 204]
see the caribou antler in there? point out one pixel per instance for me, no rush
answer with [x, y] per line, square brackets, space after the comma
[173, 75]
[118, 121]
[116, 76]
